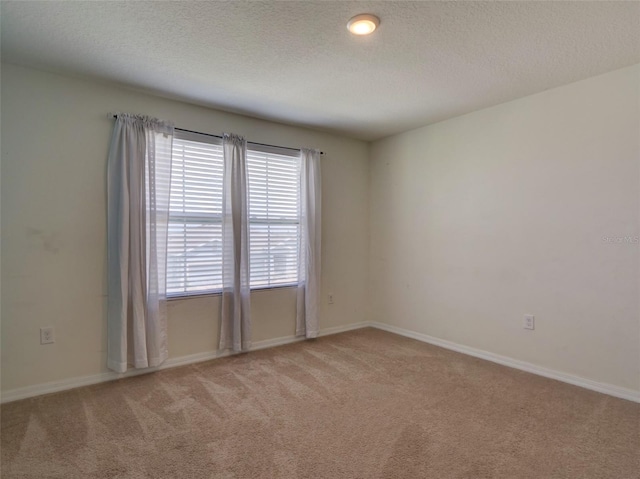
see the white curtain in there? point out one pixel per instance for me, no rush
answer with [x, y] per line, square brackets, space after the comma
[235, 325]
[138, 186]
[308, 302]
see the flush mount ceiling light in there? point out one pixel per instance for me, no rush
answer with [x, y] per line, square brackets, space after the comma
[363, 24]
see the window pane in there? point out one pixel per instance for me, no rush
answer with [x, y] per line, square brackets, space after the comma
[194, 257]
[273, 217]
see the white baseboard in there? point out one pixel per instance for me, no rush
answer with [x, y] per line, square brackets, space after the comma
[55, 386]
[605, 388]
[342, 329]
[64, 384]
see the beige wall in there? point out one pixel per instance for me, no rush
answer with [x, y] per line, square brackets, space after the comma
[471, 223]
[480, 219]
[55, 136]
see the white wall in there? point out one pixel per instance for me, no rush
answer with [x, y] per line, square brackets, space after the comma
[55, 136]
[480, 219]
[471, 223]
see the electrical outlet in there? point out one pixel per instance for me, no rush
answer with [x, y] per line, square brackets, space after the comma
[330, 298]
[529, 321]
[46, 335]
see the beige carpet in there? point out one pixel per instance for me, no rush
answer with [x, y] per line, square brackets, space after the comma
[363, 404]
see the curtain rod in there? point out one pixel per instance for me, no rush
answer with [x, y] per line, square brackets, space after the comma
[114, 115]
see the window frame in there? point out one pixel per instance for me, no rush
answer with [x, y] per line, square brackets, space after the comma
[207, 140]
[255, 147]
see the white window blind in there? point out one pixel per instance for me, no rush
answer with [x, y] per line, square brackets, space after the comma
[274, 195]
[194, 256]
[194, 263]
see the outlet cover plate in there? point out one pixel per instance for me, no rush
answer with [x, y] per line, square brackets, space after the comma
[46, 336]
[529, 321]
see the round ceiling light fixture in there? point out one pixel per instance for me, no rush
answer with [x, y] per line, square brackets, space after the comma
[363, 24]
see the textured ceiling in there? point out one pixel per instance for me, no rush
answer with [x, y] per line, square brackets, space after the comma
[296, 62]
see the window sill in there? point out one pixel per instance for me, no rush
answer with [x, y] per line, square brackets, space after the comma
[218, 292]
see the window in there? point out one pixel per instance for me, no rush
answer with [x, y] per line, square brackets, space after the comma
[273, 217]
[194, 254]
[194, 257]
